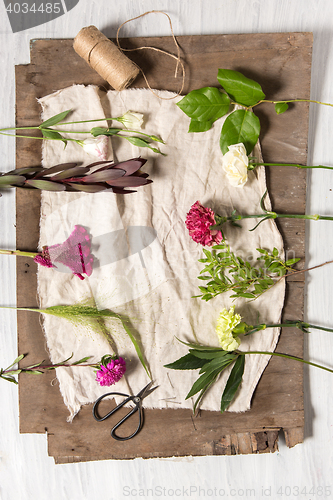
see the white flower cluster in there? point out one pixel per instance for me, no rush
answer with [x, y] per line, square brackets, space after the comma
[226, 322]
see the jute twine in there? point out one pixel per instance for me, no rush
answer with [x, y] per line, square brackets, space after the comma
[110, 62]
[105, 58]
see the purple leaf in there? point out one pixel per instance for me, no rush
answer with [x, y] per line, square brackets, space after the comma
[88, 188]
[129, 182]
[104, 176]
[7, 180]
[131, 166]
[71, 172]
[55, 169]
[46, 185]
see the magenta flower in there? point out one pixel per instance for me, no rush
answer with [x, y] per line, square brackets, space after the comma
[198, 222]
[74, 253]
[110, 373]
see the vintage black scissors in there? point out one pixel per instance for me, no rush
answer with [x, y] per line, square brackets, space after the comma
[137, 400]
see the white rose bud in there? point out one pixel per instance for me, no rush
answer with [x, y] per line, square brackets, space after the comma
[131, 119]
[97, 146]
[235, 164]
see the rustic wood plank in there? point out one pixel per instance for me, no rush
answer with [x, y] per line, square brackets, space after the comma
[281, 63]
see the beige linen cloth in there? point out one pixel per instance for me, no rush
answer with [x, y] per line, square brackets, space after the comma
[153, 285]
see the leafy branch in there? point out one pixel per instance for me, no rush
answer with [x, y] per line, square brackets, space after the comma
[206, 105]
[38, 368]
[53, 134]
[211, 361]
[226, 272]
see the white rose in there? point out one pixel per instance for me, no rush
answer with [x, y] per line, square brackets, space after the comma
[235, 164]
[97, 146]
[131, 119]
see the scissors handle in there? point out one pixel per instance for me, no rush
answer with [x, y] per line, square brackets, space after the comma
[137, 407]
[96, 404]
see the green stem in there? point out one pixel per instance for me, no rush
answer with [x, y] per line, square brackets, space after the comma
[50, 367]
[19, 128]
[286, 356]
[293, 100]
[274, 215]
[89, 121]
[18, 253]
[307, 325]
[290, 165]
[36, 137]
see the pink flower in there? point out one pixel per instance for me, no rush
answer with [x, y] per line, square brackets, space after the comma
[198, 222]
[73, 253]
[97, 146]
[112, 372]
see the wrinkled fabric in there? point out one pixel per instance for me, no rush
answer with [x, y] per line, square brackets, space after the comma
[145, 263]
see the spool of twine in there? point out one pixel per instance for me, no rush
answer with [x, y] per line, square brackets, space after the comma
[105, 58]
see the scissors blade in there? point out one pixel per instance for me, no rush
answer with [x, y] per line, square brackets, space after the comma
[146, 390]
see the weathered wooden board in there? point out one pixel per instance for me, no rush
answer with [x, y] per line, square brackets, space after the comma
[282, 64]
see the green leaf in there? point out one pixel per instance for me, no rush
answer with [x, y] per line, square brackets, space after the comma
[33, 366]
[187, 362]
[208, 354]
[204, 380]
[137, 141]
[134, 342]
[8, 180]
[260, 250]
[13, 372]
[10, 379]
[207, 253]
[205, 105]
[246, 295]
[55, 119]
[233, 382]
[83, 360]
[46, 185]
[17, 360]
[96, 131]
[281, 107]
[241, 89]
[197, 126]
[258, 289]
[218, 363]
[53, 135]
[240, 126]
[290, 262]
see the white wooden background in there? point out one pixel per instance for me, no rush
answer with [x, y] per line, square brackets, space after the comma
[26, 472]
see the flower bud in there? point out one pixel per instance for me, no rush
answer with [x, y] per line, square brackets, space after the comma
[241, 328]
[97, 146]
[131, 119]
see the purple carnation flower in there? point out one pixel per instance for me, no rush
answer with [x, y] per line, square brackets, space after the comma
[112, 372]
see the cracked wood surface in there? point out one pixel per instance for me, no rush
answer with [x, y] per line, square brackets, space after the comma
[281, 63]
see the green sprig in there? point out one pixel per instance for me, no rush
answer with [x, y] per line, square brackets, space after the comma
[226, 272]
[9, 373]
[206, 105]
[212, 361]
[90, 316]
